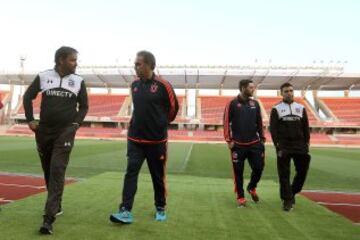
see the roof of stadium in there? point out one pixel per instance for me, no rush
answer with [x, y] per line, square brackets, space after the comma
[266, 77]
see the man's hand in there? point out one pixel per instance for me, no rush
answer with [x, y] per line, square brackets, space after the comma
[230, 145]
[33, 125]
[76, 125]
[277, 147]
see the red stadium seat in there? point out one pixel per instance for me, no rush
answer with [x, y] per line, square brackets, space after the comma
[212, 108]
[345, 109]
[100, 105]
[105, 105]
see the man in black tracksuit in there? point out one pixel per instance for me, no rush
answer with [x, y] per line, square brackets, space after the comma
[243, 131]
[63, 92]
[290, 133]
[155, 106]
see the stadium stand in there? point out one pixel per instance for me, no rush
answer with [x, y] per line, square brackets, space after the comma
[181, 115]
[3, 95]
[36, 106]
[347, 139]
[101, 105]
[178, 134]
[321, 138]
[342, 115]
[268, 103]
[345, 110]
[212, 109]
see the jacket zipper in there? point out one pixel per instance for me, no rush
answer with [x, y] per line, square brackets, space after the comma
[290, 108]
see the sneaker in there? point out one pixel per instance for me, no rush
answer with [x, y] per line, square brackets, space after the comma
[60, 212]
[241, 202]
[287, 205]
[123, 216]
[160, 214]
[253, 195]
[46, 227]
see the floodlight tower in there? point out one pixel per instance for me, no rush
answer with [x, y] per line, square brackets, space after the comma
[22, 74]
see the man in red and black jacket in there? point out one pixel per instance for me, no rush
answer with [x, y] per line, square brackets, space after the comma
[243, 132]
[155, 106]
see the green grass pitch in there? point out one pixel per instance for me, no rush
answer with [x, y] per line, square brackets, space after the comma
[201, 202]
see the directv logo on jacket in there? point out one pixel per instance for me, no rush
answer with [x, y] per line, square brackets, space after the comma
[58, 93]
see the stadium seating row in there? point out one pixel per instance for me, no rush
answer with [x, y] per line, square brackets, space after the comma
[344, 110]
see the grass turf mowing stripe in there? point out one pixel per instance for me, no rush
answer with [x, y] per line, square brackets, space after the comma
[198, 208]
[330, 169]
[187, 159]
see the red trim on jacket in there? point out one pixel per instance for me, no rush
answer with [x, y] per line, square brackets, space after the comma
[246, 143]
[227, 135]
[138, 140]
[170, 93]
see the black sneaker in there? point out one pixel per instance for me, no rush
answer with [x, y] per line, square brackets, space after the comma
[46, 227]
[287, 205]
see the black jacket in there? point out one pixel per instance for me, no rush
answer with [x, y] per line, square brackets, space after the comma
[155, 106]
[61, 97]
[243, 122]
[289, 127]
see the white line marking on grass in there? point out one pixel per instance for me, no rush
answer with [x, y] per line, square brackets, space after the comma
[22, 186]
[21, 174]
[40, 176]
[339, 204]
[187, 158]
[5, 201]
[330, 192]
[357, 223]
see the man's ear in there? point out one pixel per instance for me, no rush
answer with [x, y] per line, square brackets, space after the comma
[61, 61]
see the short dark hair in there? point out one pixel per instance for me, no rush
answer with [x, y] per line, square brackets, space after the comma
[149, 58]
[63, 52]
[284, 85]
[244, 83]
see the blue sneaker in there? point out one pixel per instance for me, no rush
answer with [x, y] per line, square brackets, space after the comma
[160, 215]
[123, 216]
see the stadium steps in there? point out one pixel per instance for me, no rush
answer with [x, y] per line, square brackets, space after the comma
[125, 108]
[312, 110]
[326, 110]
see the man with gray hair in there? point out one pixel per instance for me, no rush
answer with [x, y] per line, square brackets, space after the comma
[155, 107]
